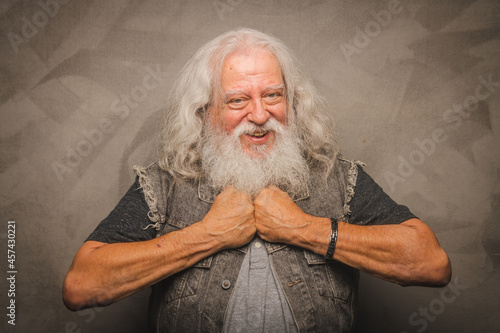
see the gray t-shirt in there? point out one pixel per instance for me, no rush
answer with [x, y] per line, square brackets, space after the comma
[257, 304]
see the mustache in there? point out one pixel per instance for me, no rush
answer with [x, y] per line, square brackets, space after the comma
[248, 128]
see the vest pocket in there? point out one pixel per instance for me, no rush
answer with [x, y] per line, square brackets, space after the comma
[332, 278]
[187, 282]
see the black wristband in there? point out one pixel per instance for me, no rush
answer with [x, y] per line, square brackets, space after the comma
[333, 239]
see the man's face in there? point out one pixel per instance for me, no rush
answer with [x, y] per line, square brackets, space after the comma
[253, 92]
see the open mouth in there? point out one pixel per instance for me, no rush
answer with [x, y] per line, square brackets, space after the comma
[258, 134]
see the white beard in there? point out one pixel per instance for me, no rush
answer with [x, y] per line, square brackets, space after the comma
[226, 163]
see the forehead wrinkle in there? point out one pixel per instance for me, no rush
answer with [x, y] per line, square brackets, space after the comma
[275, 87]
[266, 89]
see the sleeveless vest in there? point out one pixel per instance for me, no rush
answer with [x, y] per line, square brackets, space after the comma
[322, 294]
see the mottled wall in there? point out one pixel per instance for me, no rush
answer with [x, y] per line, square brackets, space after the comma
[414, 86]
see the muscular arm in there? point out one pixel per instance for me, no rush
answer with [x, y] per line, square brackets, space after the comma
[103, 273]
[406, 253]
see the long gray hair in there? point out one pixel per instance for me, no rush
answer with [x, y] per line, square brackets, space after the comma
[198, 88]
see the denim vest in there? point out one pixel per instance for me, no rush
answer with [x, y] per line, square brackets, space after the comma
[322, 294]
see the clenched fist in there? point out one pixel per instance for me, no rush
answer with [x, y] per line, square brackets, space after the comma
[231, 218]
[278, 218]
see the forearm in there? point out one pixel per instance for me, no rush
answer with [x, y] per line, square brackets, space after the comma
[407, 253]
[104, 273]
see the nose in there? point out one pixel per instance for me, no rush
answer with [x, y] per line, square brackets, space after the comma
[258, 115]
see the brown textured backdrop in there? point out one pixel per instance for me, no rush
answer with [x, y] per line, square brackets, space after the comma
[414, 86]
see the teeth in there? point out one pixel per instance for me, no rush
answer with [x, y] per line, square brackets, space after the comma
[259, 134]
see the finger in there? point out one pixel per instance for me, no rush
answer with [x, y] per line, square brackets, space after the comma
[229, 188]
[262, 196]
[259, 194]
[234, 190]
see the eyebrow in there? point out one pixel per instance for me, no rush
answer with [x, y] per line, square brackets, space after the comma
[277, 87]
[230, 93]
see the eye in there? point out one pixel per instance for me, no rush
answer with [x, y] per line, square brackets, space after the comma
[237, 103]
[274, 95]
